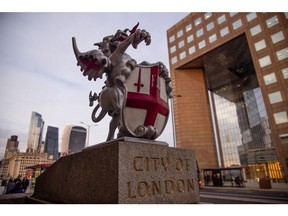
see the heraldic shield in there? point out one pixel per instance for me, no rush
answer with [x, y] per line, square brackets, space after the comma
[146, 110]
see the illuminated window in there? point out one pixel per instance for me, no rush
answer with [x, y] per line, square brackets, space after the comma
[282, 54]
[181, 44]
[255, 30]
[198, 21]
[190, 38]
[174, 60]
[237, 24]
[224, 31]
[221, 19]
[269, 78]
[191, 50]
[285, 73]
[179, 33]
[188, 27]
[277, 37]
[207, 15]
[272, 21]
[173, 49]
[264, 61]
[182, 55]
[260, 45]
[172, 38]
[200, 32]
[212, 38]
[210, 26]
[201, 44]
[280, 117]
[251, 16]
[275, 97]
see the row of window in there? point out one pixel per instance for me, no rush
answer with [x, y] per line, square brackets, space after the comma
[279, 36]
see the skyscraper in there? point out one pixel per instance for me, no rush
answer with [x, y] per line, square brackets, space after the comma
[35, 133]
[11, 147]
[229, 74]
[73, 139]
[51, 143]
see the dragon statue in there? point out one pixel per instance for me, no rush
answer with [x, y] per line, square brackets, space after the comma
[110, 58]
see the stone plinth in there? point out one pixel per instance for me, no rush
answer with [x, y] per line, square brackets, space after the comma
[123, 171]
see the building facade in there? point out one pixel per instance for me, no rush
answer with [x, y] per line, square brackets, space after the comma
[51, 142]
[11, 147]
[35, 133]
[73, 139]
[229, 74]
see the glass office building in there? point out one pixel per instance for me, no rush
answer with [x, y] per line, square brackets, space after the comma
[51, 143]
[229, 76]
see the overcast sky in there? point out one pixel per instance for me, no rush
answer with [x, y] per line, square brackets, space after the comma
[38, 70]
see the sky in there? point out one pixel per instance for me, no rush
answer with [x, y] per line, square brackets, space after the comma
[38, 70]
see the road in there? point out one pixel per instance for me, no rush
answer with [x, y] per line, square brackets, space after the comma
[211, 195]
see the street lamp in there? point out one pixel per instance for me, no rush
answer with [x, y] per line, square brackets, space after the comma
[88, 132]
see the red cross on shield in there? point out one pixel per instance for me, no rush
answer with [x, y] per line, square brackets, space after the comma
[147, 100]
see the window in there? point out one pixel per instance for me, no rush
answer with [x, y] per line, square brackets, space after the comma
[233, 14]
[286, 15]
[282, 54]
[224, 31]
[237, 24]
[181, 44]
[210, 26]
[190, 38]
[173, 49]
[182, 55]
[283, 138]
[172, 38]
[280, 117]
[179, 33]
[198, 21]
[260, 45]
[201, 44]
[285, 73]
[191, 50]
[221, 19]
[275, 97]
[188, 27]
[270, 78]
[200, 32]
[212, 38]
[264, 61]
[251, 16]
[277, 37]
[272, 21]
[174, 60]
[255, 30]
[207, 15]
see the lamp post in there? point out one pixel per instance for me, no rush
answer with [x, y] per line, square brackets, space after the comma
[88, 132]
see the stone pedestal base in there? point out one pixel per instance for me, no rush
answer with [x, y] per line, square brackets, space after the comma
[123, 171]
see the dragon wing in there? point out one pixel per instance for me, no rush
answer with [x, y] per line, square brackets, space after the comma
[92, 63]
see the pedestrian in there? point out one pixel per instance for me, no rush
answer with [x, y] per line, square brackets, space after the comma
[10, 187]
[25, 184]
[18, 185]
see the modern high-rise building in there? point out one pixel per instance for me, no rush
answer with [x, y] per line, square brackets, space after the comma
[11, 147]
[229, 74]
[51, 143]
[73, 139]
[35, 133]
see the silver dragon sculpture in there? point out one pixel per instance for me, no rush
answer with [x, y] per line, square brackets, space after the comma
[110, 58]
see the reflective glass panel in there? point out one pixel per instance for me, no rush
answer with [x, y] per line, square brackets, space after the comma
[255, 30]
[207, 15]
[179, 33]
[174, 60]
[275, 97]
[198, 21]
[237, 24]
[282, 54]
[280, 117]
[269, 78]
[233, 14]
[260, 45]
[191, 50]
[201, 44]
[172, 38]
[224, 31]
[212, 38]
[190, 38]
[181, 44]
[188, 27]
[277, 37]
[199, 32]
[251, 16]
[264, 61]
[272, 21]
[173, 49]
[285, 73]
[221, 19]
[210, 26]
[182, 55]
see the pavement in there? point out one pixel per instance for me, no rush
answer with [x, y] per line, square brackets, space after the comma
[251, 185]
